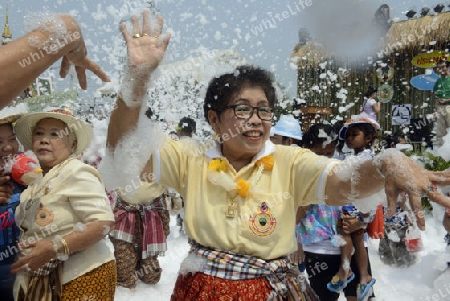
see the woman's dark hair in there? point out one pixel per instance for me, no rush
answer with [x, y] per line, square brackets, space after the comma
[447, 63]
[222, 89]
[367, 129]
[370, 91]
[313, 137]
[392, 140]
[337, 126]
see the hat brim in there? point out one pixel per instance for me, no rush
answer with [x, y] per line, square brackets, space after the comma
[287, 134]
[343, 130]
[10, 118]
[25, 126]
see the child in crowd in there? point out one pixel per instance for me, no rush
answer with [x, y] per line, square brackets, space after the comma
[186, 129]
[317, 224]
[392, 248]
[10, 191]
[359, 135]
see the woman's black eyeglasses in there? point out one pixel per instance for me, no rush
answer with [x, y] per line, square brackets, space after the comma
[245, 112]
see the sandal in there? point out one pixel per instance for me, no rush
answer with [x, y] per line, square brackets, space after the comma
[363, 290]
[336, 285]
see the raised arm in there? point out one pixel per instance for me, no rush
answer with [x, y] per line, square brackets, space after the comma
[145, 51]
[393, 171]
[24, 59]
[376, 107]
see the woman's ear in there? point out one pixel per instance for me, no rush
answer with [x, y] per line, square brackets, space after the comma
[213, 118]
[74, 146]
[369, 139]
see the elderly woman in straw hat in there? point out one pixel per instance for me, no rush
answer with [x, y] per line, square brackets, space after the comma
[9, 199]
[64, 217]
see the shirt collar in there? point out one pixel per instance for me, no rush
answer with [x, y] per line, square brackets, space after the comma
[268, 149]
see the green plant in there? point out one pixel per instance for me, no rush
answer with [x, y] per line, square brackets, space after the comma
[434, 163]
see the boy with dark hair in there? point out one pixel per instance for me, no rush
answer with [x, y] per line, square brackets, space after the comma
[186, 127]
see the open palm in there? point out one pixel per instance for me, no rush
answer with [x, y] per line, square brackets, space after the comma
[144, 46]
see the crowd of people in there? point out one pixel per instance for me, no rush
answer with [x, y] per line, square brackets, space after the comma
[260, 206]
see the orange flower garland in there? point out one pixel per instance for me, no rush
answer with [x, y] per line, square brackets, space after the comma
[218, 165]
[243, 187]
[268, 162]
[217, 168]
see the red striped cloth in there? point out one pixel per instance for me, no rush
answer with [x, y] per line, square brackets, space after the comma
[153, 237]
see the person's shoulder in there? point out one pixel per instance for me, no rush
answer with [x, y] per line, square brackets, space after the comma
[189, 146]
[285, 150]
[441, 79]
[76, 166]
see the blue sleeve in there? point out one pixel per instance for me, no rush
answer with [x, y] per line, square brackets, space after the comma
[15, 198]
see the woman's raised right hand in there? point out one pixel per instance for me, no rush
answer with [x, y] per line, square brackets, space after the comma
[145, 46]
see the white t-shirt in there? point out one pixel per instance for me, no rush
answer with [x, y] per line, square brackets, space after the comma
[368, 108]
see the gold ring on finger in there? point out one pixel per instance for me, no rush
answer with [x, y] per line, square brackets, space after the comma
[145, 35]
[136, 35]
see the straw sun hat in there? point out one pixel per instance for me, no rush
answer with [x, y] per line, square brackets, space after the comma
[11, 114]
[83, 131]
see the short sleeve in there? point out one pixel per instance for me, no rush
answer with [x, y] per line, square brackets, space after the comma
[309, 177]
[371, 102]
[170, 164]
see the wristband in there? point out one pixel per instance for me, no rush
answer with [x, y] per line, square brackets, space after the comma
[131, 103]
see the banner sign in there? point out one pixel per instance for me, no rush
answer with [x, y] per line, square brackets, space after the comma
[429, 59]
[401, 114]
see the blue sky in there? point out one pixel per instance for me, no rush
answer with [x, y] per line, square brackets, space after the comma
[264, 32]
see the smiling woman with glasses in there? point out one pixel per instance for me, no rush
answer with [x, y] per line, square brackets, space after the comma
[241, 195]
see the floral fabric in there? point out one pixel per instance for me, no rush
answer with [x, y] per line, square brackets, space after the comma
[319, 224]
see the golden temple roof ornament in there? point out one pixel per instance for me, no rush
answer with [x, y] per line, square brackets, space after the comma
[7, 35]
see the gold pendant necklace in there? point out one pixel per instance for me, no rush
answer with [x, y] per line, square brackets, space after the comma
[217, 175]
[232, 209]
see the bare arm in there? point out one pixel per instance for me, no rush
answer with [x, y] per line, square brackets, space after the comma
[6, 189]
[123, 119]
[301, 213]
[298, 256]
[42, 250]
[22, 63]
[376, 107]
[144, 55]
[394, 172]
